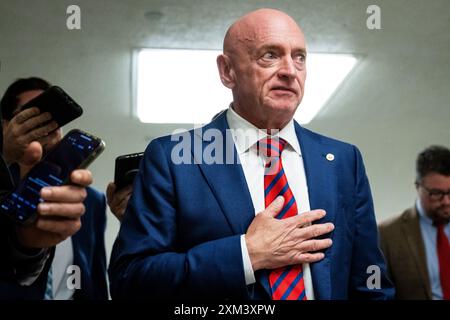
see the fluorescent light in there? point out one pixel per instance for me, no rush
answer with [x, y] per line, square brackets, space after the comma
[183, 86]
[179, 86]
[325, 72]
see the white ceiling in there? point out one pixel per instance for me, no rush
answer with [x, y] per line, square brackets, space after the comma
[414, 39]
[329, 25]
[202, 22]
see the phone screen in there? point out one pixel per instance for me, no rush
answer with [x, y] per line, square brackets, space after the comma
[53, 170]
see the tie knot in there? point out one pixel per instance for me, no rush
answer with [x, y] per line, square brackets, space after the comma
[440, 224]
[271, 146]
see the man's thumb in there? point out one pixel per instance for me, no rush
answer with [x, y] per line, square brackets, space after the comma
[275, 207]
[33, 154]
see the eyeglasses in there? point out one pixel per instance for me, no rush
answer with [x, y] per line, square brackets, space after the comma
[436, 194]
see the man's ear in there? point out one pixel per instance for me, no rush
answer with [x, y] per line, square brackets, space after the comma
[226, 71]
[417, 184]
[4, 125]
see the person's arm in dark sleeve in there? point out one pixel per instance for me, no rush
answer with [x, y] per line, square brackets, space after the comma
[99, 264]
[27, 263]
[146, 259]
[366, 251]
[22, 264]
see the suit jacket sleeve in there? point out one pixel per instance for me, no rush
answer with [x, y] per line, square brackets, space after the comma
[384, 245]
[99, 278]
[147, 259]
[18, 263]
[367, 258]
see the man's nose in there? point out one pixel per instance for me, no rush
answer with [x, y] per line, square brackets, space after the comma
[446, 199]
[287, 68]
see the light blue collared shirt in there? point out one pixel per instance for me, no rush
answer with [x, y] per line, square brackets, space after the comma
[429, 236]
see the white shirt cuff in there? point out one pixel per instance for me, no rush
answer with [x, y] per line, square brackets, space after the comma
[248, 270]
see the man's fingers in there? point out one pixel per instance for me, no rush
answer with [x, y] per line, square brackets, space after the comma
[65, 194]
[315, 245]
[315, 230]
[62, 227]
[26, 114]
[81, 177]
[307, 217]
[32, 154]
[124, 201]
[110, 192]
[61, 210]
[41, 132]
[125, 191]
[121, 197]
[50, 140]
[309, 257]
[275, 207]
[35, 121]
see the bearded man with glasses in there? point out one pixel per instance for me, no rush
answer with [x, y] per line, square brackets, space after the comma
[416, 243]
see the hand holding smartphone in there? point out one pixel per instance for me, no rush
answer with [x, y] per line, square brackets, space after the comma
[58, 103]
[126, 169]
[75, 151]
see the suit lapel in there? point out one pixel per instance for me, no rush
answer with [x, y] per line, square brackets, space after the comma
[229, 186]
[76, 238]
[321, 180]
[413, 235]
[227, 181]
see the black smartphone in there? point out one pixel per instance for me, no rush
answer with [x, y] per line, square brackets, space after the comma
[58, 103]
[126, 168]
[75, 151]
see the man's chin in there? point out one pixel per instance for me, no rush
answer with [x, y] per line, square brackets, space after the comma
[283, 107]
[443, 214]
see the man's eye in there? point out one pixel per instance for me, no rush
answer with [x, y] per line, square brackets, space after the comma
[301, 58]
[269, 55]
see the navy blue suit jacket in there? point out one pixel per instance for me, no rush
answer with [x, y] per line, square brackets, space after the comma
[89, 248]
[181, 233]
[89, 255]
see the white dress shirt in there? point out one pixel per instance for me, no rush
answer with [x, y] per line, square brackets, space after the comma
[245, 136]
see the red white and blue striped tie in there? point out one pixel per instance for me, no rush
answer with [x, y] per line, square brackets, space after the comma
[286, 283]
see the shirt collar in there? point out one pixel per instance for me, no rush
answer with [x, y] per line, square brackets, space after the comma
[423, 216]
[246, 134]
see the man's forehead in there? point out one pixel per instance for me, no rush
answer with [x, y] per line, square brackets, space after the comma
[254, 30]
[437, 179]
[266, 37]
[263, 28]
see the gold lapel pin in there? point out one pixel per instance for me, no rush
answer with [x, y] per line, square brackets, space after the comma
[330, 156]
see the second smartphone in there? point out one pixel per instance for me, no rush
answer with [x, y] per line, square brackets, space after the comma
[58, 103]
[75, 151]
[126, 169]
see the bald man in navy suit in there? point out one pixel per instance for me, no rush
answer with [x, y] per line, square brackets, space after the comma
[200, 226]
